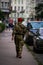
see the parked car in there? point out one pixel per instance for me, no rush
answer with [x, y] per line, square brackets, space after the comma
[37, 32]
[38, 40]
[34, 32]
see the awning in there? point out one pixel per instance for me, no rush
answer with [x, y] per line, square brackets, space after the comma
[5, 11]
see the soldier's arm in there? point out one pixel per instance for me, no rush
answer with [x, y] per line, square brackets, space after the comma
[25, 29]
[26, 32]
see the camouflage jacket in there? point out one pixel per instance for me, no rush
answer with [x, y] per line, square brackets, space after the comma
[19, 30]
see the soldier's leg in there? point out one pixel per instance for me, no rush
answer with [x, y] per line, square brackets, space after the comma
[20, 48]
[17, 47]
[20, 52]
[16, 51]
[17, 54]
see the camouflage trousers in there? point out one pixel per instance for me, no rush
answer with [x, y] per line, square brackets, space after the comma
[19, 48]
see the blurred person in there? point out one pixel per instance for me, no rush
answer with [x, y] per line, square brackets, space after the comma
[10, 23]
[29, 26]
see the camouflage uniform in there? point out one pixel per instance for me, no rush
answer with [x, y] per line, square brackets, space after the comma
[19, 31]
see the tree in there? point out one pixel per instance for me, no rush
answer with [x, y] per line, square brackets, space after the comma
[39, 10]
[1, 15]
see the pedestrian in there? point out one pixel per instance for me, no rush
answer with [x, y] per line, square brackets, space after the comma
[18, 35]
[10, 23]
[29, 26]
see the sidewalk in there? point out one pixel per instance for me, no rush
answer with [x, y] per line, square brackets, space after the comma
[8, 53]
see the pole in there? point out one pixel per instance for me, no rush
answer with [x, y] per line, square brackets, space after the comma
[15, 16]
[15, 25]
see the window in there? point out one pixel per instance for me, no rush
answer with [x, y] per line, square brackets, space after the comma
[18, 8]
[26, 7]
[15, 1]
[2, 4]
[18, 1]
[15, 8]
[8, 4]
[5, 3]
[22, 1]
[32, 0]
[22, 8]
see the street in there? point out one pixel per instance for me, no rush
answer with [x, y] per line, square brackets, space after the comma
[8, 53]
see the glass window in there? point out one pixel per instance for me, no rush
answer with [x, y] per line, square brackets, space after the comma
[22, 1]
[6, 4]
[32, 0]
[15, 1]
[18, 1]
[22, 8]
[2, 4]
[15, 8]
[18, 8]
[26, 7]
[37, 25]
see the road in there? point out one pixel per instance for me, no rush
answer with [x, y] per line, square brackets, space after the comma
[8, 53]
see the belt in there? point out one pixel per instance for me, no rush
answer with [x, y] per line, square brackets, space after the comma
[19, 34]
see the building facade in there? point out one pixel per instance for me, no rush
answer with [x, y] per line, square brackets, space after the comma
[30, 8]
[23, 8]
[5, 7]
[18, 8]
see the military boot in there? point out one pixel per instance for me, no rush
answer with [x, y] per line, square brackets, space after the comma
[19, 56]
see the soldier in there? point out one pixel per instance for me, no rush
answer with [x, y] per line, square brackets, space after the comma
[18, 34]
